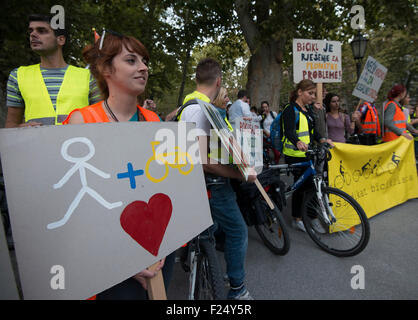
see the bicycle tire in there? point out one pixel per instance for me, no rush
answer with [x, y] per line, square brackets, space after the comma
[273, 233]
[209, 276]
[345, 237]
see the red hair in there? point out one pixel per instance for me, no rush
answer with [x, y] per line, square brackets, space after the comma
[99, 60]
[396, 91]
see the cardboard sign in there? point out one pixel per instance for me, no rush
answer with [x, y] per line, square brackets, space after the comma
[386, 172]
[8, 286]
[92, 205]
[317, 60]
[228, 140]
[370, 80]
[250, 138]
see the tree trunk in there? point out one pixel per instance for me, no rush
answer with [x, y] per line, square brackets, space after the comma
[265, 75]
[264, 67]
[184, 75]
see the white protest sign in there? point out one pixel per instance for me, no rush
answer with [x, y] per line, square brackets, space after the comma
[240, 159]
[227, 138]
[249, 136]
[92, 205]
[317, 60]
[8, 287]
[370, 80]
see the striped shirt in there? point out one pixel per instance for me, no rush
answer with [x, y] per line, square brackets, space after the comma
[53, 78]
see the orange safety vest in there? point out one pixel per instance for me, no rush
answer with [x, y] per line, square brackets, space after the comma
[95, 113]
[399, 121]
[371, 122]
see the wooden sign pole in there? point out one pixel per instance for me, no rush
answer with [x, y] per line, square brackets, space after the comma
[359, 104]
[319, 93]
[156, 289]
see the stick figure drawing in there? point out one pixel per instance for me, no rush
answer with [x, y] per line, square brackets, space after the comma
[81, 165]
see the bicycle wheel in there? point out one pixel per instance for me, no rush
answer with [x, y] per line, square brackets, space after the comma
[348, 235]
[209, 278]
[272, 230]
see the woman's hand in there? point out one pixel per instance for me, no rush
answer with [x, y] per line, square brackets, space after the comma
[302, 146]
[142, 276]
[329, 141]
[150, 105]
[407, 135]
[318, 105]
[30, 124]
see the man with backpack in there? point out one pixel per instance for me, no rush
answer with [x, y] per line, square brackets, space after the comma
[224, 208]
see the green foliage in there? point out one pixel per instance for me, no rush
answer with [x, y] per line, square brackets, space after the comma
[178, 33]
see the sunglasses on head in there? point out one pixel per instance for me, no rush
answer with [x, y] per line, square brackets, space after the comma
[120, 35]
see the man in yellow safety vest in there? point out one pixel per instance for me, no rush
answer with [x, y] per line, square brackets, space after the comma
[45, 93]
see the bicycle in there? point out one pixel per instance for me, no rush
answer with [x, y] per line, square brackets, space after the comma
[346, 230]
[180, 162]
[199, 257]
[269, 224]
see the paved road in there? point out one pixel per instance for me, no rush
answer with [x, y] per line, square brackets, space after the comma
[390, 264]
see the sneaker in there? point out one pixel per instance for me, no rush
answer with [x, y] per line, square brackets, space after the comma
[298, 225]
[317, 226]
[242, 294]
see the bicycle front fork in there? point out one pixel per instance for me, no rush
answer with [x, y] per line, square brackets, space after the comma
[324, 204]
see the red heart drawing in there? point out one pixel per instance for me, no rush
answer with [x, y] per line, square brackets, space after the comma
[146, 222]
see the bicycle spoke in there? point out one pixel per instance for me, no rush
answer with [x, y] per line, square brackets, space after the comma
[348, 234]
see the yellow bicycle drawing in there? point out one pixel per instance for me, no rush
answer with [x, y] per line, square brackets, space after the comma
[181, 162]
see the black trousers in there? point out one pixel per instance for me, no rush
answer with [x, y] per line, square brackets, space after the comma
[298, 195]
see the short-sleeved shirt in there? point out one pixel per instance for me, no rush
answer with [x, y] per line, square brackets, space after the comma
[53, 78]
[193, 113]
[268, 120]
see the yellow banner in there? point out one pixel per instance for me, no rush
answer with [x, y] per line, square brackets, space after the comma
[379, 177]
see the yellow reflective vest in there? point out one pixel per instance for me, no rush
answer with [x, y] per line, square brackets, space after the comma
[74, 93]
[203, 97]
[216, 153]
[303, 133]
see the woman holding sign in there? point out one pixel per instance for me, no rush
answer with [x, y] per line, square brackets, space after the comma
[120, 65]
[298, 125]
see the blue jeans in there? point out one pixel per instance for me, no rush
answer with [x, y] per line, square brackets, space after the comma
[227, 216]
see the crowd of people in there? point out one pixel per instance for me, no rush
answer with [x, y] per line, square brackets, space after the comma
[54, 92]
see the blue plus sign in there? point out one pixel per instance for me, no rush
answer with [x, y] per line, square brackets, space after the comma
[131, 174]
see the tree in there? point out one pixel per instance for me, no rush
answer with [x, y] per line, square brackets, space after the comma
[269, 27]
